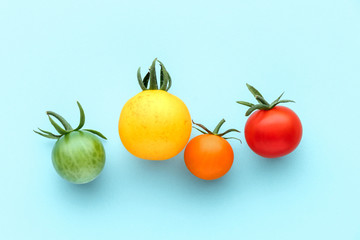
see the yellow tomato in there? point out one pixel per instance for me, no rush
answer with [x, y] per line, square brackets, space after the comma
[154, 124]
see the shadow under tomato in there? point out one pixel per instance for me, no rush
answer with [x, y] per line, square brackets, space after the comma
[272, 170]
[174, 171]
[83, 195]
[90, 188]
[280, 162]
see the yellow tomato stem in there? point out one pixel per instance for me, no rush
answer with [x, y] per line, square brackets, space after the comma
[153, 79]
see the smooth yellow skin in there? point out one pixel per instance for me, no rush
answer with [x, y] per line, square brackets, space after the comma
[155, 125]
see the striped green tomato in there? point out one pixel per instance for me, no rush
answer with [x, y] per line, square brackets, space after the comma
[78, 155]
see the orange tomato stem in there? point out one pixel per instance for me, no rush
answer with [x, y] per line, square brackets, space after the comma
[217, 128]
[205, 130]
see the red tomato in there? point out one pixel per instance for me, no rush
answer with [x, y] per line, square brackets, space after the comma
[273, 133]
[208, 156]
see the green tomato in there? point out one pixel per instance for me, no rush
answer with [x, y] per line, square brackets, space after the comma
[78, 157]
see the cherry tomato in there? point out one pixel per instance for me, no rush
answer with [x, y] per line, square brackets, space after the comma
[209, 156]
[154, 124]
[78, 155]
[271, 131]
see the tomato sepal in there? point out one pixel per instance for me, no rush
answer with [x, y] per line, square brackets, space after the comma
[96, 133]
[150, 77]
[62, 120]
[205, 130]
[50, 135]
[262, 103]
[57, 127]
[67, 127]
[233, 138]
[82, 117]
[228, 131]
[281, 101]
[245, 103]
[78, 155]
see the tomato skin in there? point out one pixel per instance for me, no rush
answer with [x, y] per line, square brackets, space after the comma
[273, 133]
[78, 157]
[154, 125]
[208, 156]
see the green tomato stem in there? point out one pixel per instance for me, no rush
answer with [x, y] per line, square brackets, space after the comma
[153, 79]
[68, 128]
[165, 79]
[217, 128]
[62, 120]
[82, 117]
[205, 130]
[262, 103]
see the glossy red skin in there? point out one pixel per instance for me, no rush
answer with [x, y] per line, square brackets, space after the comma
[273, 133]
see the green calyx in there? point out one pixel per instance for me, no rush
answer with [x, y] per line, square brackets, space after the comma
[262, 103]
[66, 126]
[165, 79]
[205, 130]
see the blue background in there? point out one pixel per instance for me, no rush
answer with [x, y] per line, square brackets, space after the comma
[53, 53]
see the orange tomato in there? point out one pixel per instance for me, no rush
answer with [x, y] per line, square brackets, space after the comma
[209, 156]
